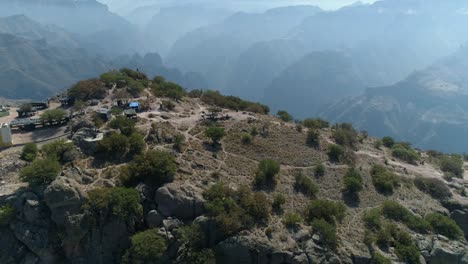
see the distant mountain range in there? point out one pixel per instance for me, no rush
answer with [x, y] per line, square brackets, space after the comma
[429, 108]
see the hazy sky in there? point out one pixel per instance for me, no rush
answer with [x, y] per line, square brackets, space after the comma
[120, 6]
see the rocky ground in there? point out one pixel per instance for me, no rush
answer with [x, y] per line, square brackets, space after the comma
[49, 225]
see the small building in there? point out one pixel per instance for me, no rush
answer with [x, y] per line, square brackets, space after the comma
[130, 113]
[5, 135]
[134, 105]
[105, 113]
[66, 101]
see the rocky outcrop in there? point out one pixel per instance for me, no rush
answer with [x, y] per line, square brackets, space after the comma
[441, 250]
[461, 218]
[183, 201]
[243, 250]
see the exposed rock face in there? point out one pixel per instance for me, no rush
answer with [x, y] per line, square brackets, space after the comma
[86, 139]
[183, 201]
[243, 250]
[461, 218]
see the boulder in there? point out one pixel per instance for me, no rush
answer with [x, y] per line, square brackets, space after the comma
[153, 219]
[183, 201]
[36, 239]
[461, 218]
[448, 253]
[64, 197]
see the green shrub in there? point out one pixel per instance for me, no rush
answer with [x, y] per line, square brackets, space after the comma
[285, 116]
[7, 214]
[335, 153]
[113, 147]
[247, 139]
[121, 203]
[232, 102]
[313, 139]
[205, 256]
[397, 212]
[379, 259]
[326, 231]
[305, 185]
[330, 211]
[319, 170]
[163, 88]
[405, 152]
[452, 164]
[53, 115]
[345, 135]
[40, 172]
[353, 181]
[383, 180]
[434, 187]
[385, 236]
[388, 142]
[266, 172]
[373, 219]
[233, 210]
[29, 152]
[87, 90]
[179, 141]
[215, 133]
[58, 150]
[278, 201]
[154, 167]
[292, 220]
[315, 123]
[124, 124]
[146, 247]
[192, 236]
[443, 225]
[136, 144]
[378, 144]
[408, 253]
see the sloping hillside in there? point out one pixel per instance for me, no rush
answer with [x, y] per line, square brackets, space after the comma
[202, 178]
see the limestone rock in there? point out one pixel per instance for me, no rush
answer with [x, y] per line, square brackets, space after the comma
[461, 218]
[183, 201]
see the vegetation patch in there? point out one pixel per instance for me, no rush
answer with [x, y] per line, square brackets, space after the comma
[444, 225]
[306, 185]
[452, 165]
[395, 211]
[405, 152]
[41, 171]
[329, 211]
[266, 173]
[353, 181]
[7, 214]
[384, 180]
[29, 152]
[122, 203]
[232, 102]
[235, 210]
[345, 135]
[147, 247]
[434, 187]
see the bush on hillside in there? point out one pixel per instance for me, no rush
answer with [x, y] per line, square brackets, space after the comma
[330, 211]
[87, 90]
[319, 170]
[121, 203]
[155, 167]
[383, 180]
[452, 164]
[58, 149]
[232, 102]
[136, 144]
[313, 139]
[29, 152]
[434, 187]
[292, 220]
[336, 153]
[327, 232]
[397, 212]
[125, 125]
[266, 173]
[345, 135]
[285, 116]
[278, 201]
[215, 133]
[234, 210]
[40, 171]
[388, 142]
[305, 185]
[373, 219]
[405, 153]
[444, 225]
[315, 123]
[353, 181]
[113, 147]
[146, 247]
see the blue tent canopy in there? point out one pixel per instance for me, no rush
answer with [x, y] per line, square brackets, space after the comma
[134, 105]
